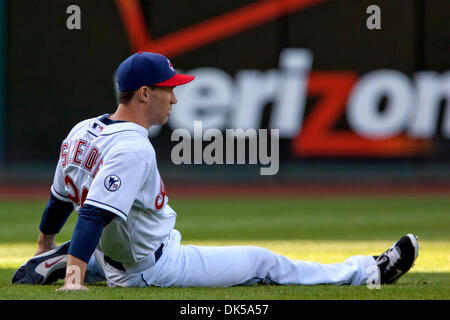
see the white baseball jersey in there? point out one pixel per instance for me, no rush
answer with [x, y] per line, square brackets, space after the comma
[113, 167]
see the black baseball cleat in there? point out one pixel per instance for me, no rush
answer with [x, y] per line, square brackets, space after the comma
[45, 268]
[398, 259]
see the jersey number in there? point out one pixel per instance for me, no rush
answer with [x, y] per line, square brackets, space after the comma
[75, 197]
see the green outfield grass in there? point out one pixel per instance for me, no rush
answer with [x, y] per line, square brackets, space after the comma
[326, 230]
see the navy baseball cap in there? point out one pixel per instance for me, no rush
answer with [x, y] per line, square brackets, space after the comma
[148, 69]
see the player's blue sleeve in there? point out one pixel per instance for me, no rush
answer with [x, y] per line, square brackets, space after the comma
[55, 215]
[89, 227]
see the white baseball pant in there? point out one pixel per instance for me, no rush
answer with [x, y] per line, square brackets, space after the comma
[224, 266]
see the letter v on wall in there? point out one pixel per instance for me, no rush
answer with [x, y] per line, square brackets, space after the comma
[205, 32]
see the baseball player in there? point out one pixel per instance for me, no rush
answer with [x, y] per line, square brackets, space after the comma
[107, 171]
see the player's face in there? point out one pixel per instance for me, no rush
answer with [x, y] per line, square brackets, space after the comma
[161, 101]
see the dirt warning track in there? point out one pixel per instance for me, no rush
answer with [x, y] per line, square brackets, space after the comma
[183, 190]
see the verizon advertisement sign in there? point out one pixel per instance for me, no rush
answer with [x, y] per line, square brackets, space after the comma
[312, 75]
[385, 112]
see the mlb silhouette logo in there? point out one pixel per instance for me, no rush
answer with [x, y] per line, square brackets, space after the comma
[112, 183]
[97, 127]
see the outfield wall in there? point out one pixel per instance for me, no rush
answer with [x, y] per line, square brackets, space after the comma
[351, 104]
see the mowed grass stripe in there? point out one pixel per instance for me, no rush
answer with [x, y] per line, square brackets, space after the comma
[434, 255]
[327, 218]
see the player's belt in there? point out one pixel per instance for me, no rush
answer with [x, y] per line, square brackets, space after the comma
[120, 266]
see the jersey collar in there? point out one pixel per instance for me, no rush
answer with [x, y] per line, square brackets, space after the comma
[114, 126]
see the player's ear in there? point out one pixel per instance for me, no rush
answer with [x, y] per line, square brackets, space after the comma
[144, 94]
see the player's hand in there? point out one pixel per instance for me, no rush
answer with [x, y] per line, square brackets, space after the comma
[46, 242]
[43, 249]
[75, 271]
[72, 287]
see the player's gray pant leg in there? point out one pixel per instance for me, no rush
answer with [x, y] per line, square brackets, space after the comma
[93, 272]
[227, 266]
[115, 277]
[204, 266]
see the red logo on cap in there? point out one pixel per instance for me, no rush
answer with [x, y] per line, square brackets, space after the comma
[170, 65]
